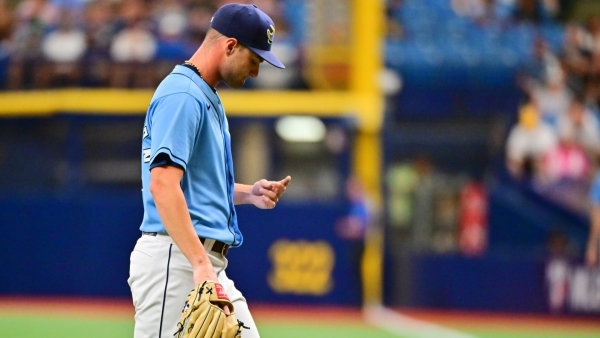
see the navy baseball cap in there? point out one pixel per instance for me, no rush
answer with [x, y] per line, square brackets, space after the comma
[250, 26]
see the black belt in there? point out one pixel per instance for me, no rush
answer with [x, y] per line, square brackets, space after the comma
[218, 246]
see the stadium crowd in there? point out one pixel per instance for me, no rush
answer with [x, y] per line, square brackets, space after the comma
[108, 43]
[487, 12]
[135, 43]
[556, 141]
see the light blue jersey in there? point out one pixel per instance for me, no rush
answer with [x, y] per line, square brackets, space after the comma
[186, 126]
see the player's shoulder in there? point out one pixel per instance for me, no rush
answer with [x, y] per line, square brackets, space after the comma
[177, 84]
[172, 84]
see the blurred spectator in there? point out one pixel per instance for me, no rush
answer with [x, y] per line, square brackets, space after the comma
[6, 23]
[100, 29]
[198, 19]
[171, 18]
[481, 11]
[528, 10]
[528, 142]
[127, 43]
[469, 8]
[576, 56]
[564, 174]
[581, 124]
[551, 97]
[33, 19]
[590, 96]
[62, 50]
[536, 11]
[133, 48]
[592, 40]
[551, 9]
[567, 162]
[353, 228]
[543, 66]
[172, 46]
[394, 29]
[44, 12]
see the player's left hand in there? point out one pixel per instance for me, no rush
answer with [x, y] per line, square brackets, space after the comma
[265, 194]
[203, 315]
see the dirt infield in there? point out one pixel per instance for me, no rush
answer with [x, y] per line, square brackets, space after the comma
[84, 307]
[478, 320]
[123, 309]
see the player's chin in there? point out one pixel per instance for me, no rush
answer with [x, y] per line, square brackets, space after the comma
[235, 84]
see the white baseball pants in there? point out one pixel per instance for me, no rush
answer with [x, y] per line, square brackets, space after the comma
[160, 278]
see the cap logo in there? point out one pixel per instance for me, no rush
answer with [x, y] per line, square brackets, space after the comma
[270, 34]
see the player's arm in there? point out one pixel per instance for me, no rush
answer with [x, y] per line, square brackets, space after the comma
[591, 255]
[263, 194]
[173, 210]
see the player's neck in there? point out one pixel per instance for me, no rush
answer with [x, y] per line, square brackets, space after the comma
[205, 61]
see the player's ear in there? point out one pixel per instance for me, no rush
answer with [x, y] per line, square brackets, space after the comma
[231, 44]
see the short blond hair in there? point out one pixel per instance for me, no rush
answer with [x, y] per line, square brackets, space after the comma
[212, 35]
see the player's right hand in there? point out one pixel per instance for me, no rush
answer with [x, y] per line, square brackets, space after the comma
[265, 194]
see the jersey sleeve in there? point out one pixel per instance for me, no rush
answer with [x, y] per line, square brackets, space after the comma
[175, 122]
[164, 159]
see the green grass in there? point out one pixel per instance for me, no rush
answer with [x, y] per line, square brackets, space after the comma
[23, 326]
[321, 331]
[542, 333]
[63, 327]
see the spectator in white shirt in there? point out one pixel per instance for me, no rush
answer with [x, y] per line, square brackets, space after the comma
[581, 123]
[528, 142]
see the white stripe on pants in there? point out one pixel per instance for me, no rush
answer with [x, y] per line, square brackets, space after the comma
[160, 278]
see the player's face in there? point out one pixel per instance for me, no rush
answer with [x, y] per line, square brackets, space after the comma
[240, 64]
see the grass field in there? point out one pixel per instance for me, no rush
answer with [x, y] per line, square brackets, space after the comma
[65, 319]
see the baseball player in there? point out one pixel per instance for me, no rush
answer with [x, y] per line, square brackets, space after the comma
[593, 245]
[189, 192]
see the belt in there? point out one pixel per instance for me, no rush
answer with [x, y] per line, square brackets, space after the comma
[217, 246]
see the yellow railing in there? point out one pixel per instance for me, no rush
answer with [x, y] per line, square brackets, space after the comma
[367, 63]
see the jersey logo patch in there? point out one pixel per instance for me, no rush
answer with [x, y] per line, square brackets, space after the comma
[207, 106]
[145, 134]
[147, 153]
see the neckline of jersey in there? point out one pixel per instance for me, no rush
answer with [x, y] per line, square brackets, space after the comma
[195, 70]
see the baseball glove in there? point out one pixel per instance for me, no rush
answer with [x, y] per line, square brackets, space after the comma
[203, 316]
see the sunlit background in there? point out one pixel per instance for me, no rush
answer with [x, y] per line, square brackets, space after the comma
[442, 155]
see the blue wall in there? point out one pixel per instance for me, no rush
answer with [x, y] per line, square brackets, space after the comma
[66, 233]
[80, 245]
[494, 282]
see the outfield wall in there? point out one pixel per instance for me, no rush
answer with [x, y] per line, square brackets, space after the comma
[67, 232]
[70, 210]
